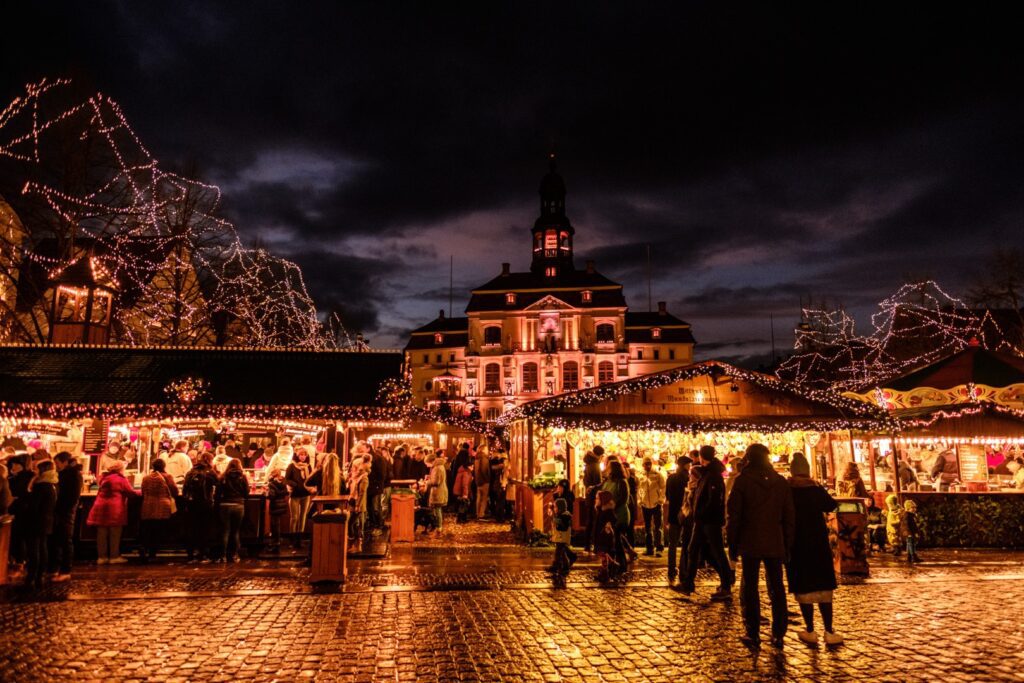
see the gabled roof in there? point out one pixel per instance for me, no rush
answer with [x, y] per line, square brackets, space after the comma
[565, 279]
[69, 381]
[454, 331]
[599, 298]
[652, 319]
[972, 365]
[831, 410]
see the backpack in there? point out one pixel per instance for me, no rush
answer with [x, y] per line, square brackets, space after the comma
[195, 489]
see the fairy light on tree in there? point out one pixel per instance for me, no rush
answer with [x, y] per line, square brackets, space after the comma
[85, 182]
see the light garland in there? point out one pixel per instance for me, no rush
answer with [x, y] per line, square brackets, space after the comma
[179, 411]
[184, 276]
[919, 324]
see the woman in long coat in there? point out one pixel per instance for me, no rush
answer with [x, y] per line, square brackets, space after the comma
[810, 573]
[109, 513]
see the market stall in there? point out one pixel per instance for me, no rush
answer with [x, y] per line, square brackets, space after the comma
[667, 414]
[106, 403]
[961, 424]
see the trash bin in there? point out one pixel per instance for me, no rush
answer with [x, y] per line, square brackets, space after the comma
[330, 546]
[848, 528]
[403, 515]
[5, 545]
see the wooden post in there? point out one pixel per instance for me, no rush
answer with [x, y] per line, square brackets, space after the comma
[871, 461]
[896, 470]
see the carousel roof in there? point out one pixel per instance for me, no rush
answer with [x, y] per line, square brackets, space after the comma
[58, 380]
[972, 365]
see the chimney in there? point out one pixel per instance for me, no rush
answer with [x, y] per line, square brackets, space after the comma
[662, 310]
[590, 267]
[440, 314]
[505, 268]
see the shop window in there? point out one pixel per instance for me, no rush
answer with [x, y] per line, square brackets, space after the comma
[605, 332]
[605, 372]
[529, 377]
[656, 333]
[570, 376]
[492, 378]
[588, 296]
[510, 298]
[492, 335]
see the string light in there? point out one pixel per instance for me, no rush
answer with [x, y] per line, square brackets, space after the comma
[184, 276]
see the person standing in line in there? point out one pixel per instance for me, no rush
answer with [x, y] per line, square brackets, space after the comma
[199, 496]
[675, 491]
[178, 463]
[18, 480]
[42, 497]
[69, 491]
[497, 485]
[760, 526]
[482, 478]
[232, 492]
[109, 514]
[158, 504]
[708, 519]
[651, 495]
[810, 572]
[299, 496]
[437, 494]
[461, 491]
[399, 463]
[277, 498]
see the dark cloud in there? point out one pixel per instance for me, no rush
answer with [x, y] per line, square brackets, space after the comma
[764, 154]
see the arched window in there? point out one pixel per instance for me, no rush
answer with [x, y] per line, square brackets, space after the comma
[428, 386]
[529, 377]
[606, 332]
[492, 335]
[492, 378]
[570, 376]
[605, 372]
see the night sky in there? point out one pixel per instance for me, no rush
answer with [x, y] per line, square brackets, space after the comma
[766, 154]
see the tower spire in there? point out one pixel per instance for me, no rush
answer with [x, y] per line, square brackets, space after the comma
[552, 231]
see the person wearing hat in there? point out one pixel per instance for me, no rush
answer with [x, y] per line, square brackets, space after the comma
[810, 571]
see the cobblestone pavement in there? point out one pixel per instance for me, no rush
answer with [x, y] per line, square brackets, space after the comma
[490, 613]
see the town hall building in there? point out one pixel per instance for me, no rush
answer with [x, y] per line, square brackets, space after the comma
[550, 330]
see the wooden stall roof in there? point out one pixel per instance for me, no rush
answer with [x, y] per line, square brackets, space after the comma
[73, 381]
[972, 365]
[961, 421]
[706, 396]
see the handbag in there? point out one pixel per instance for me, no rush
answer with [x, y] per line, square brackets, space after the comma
[174, 505]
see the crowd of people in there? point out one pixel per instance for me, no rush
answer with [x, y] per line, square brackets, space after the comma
[765, 519]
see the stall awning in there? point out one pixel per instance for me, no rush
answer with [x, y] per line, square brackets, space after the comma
[62, 382]
[961, 421]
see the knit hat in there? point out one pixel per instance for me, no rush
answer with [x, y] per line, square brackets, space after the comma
[561, 505]
[799, 467]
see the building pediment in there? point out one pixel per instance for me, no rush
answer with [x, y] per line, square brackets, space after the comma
[549, 303]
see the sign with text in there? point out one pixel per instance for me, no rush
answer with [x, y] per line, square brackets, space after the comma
[973, 464]
[693, 395]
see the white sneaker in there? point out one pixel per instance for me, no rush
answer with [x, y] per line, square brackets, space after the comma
[102, 560]
[117, 560]
[809, 637]
[833, 639]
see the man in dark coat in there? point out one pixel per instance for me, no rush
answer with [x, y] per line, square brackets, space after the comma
[379, 480]
[69, 490]
[675, 491]
[42, 496]
[708, 518]
[759, 527]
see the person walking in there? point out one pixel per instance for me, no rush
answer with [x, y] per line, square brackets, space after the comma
[198, 494]
[809, 572]
[158, 504]
[437, 490]
[69, 491]
[299, 496]
[759, 527]
[708, 519]
[232, 492]
[42, 497]
[482, 479]
[616, 486]
[109, 514]
[675, 491]
[651, 494]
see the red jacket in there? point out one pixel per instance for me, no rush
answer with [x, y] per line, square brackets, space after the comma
[111, 506]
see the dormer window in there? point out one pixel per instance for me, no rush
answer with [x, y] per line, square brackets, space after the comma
[551, 271]
[655, 333]
[510, 298]
[438, 338]
[588, 296]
